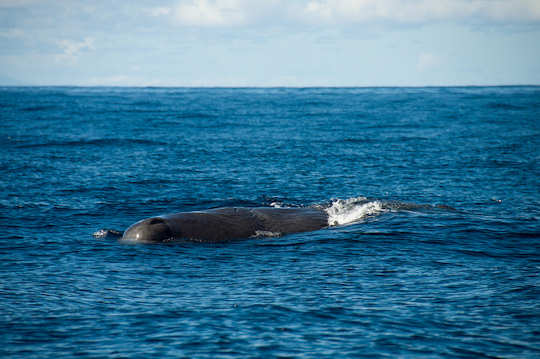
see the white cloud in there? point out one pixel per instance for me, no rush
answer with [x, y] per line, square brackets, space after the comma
[215, 13]
[211, 12]
[243, 12]
[71, 49]
[402, 11]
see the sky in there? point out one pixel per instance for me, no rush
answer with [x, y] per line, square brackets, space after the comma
[270, 42]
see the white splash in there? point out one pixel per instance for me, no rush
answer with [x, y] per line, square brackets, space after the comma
[102, 233]
[345, 211]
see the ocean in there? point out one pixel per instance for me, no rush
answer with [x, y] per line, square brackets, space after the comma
[433, 250]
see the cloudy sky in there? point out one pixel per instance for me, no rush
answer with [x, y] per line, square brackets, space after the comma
[269, 42]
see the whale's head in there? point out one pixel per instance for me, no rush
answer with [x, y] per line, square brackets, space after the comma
[153, 229]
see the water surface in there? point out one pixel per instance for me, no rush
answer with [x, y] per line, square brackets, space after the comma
[401, 281]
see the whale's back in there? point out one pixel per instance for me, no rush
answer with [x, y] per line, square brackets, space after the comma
[291, 220]
[213, 225]
[222, 224]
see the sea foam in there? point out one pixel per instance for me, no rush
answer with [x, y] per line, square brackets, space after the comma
[345, 211]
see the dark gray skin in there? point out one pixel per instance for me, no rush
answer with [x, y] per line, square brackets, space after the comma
[225, 224]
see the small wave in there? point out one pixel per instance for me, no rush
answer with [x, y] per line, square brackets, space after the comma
[361, 140]
[324, 104]
[146, 103]
[345, 211]
[94, 142]
[38, 108]
[503, 106]
[194, 115]
[478, 253]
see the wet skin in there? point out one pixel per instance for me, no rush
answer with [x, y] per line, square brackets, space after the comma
[223, 224]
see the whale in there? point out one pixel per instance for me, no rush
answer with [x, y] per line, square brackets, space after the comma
[225, 224]
[231, 223]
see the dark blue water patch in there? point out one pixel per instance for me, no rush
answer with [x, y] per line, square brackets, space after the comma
[96, 142]
[194, 115]
[503, 106]
[533, 235]
[38, 108]
[450, 282]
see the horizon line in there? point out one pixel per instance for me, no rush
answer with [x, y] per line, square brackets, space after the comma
[271, 86]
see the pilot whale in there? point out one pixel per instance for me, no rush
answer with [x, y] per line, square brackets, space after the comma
[225, 224]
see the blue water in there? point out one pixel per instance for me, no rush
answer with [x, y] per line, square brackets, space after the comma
[401, 281]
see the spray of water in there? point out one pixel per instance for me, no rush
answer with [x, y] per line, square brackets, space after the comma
[345, 211]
